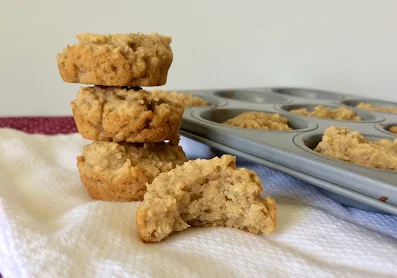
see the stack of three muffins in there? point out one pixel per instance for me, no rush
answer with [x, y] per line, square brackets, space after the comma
[130, 127]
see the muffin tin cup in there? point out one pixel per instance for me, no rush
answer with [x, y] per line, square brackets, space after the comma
[353, 102]
[251, 96]
[366, 116]
[286, 150]
[309, 141]
[219, 116]
[385, 127]
[304, 93]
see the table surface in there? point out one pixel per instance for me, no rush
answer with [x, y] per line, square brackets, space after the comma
[40, 125]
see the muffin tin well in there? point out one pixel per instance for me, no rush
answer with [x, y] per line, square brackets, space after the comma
[374, 102]
[291, 151]
[252, 96]
[366, 116]
[309, 142]
[385, 127]
[219, 116]
[308, 93]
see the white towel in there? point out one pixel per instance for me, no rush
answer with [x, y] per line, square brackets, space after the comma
[50, 227]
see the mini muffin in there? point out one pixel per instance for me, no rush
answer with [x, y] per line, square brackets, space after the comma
[117, 60]
[393, 129]
[205, 193]
[186, 100]
[120, 172]
[341, 113]
[367, 106]
[351, 146]
[125, 114]
[259, 120]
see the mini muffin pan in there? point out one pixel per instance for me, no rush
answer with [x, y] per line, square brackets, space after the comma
[291, 151]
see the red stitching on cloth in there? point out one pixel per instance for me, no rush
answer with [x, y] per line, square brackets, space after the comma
[40, 125]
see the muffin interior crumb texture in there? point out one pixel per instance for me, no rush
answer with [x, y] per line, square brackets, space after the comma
[259, 120]
[341, 113]
[186, 100]
[351, 146]
[205, 193]
[368, 106]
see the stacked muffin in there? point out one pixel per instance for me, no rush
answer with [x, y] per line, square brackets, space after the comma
[129, 126]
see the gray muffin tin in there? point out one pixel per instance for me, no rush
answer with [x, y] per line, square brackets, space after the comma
[291, 151]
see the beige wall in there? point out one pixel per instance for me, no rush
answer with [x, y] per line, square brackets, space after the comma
[342, 45]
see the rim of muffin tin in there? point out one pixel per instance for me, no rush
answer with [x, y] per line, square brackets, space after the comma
[353, 102]
[293, 121]
[251, 96]
[308, 93]
[359, 112]
[300, 140]
[384, 127]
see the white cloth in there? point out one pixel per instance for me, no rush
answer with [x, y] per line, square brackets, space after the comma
[50, 227]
